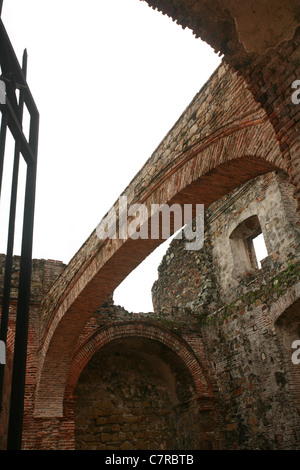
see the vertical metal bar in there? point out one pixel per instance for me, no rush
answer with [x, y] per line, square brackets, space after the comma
[3, 327]
[15, 427]
[14, 75]
[10, 238]
[9, 262]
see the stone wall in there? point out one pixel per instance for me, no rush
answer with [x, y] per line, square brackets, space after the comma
[125, 401]
[252, 377]
[210, 368]
[221, 141]
[240, 313]
[211, 277]
[44, 273]
[226, 325]
[141, 384]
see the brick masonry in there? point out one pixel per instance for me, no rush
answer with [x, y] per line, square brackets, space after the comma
[205, 155]
[220, 326]
[247, 319]
[209, 368]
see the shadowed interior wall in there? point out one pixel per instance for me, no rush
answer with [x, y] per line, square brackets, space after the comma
[131, 395]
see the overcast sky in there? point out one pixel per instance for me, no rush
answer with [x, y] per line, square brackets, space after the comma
[110, 79]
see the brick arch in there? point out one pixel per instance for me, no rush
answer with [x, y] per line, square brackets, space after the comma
[204, 165]
[142, 329]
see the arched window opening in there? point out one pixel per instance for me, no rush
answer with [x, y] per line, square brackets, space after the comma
[248, 245]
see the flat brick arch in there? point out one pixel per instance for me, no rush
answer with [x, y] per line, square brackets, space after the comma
[140, 329]
[205, 155]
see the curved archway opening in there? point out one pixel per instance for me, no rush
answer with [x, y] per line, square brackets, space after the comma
[135, 393]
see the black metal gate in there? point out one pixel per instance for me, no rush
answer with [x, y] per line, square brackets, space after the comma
[13, 82]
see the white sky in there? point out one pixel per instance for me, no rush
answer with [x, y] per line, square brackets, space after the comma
[110, 79]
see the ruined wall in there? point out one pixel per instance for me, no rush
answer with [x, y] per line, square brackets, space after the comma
[238, 313]
[137, 392]
[231, 326]
[44, 273]
[221, 140]
[212, 276]
[133, 393]
[254, 386]
[137, 381]
[128, 397]
[122, 403]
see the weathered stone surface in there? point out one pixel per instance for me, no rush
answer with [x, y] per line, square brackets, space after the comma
[228, 149]
[138, 384]
[243, 317]
[228, 330]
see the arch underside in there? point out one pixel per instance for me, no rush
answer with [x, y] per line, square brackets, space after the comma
[141, 329]
[126, 331]
[133, 381]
